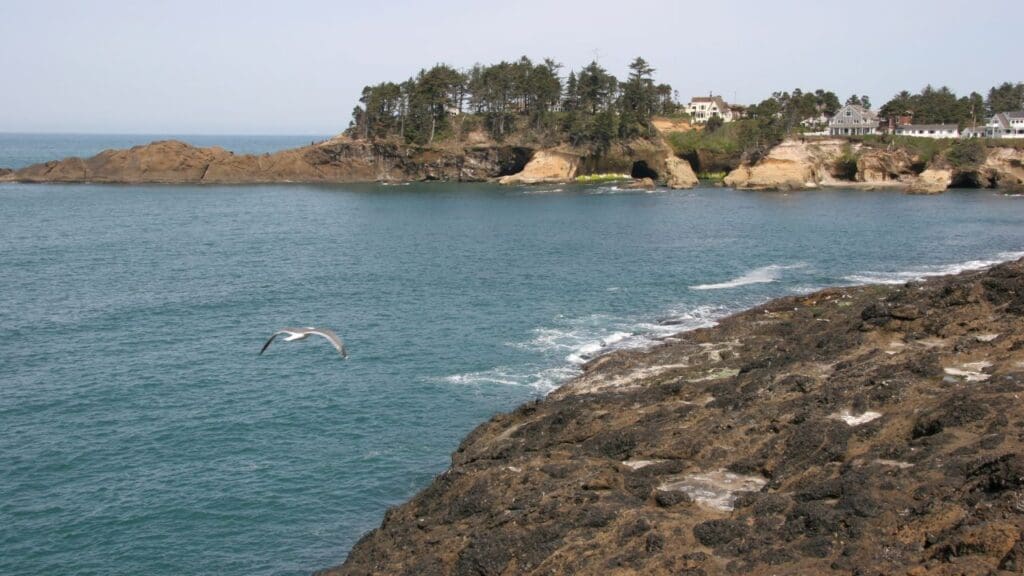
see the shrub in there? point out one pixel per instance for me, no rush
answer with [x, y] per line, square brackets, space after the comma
[966, 155]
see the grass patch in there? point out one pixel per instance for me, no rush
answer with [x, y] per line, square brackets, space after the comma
[598, 178]
[712, 176]
[723, 141]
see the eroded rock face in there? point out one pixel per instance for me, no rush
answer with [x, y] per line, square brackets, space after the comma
[872, 430]
[791, 165]
[1004, 168]
[546, 166]
[932, 181]
[679, 174]
[885, 166]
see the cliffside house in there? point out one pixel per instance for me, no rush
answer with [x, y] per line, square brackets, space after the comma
[1006, 125]
[928, 130]
[853, 120]
[703, 108]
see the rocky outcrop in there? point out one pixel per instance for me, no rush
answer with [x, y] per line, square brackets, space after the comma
[1004, 168]
[931, 181]
[337, 160]
[884, 167]
[791, 165]
[643, 159]
[546, 166]
[870, 430]
[679, 173]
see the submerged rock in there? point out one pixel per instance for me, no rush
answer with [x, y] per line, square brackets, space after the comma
[780, 464]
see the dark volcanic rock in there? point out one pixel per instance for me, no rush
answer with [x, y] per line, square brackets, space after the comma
[871, 430]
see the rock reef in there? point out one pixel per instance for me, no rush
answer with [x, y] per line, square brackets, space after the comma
[864, 430]
[336, 160]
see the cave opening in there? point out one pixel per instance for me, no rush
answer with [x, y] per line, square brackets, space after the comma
[642, 170]
[969, 180]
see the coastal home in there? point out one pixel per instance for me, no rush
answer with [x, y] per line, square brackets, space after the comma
[1006, 125]
[816, 125]
[853, 120]
[928, 130]
[703, 108]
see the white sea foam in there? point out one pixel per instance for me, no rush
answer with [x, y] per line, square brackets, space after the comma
[919, 272]
[762, 275]
[542, 381]
[572, 342]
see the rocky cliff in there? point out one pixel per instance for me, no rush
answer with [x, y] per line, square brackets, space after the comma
[336, 160]
[868, 430]
[837, 163]
[347, 160]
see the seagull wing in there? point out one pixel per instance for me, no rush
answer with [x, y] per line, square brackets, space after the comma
[275, 335]
[333, 339]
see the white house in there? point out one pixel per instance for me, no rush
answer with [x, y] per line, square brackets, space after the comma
[853, 120]
[929, 130]
[1006, 125]
[703, 108]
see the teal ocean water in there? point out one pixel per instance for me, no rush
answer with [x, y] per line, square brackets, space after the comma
[140, 433]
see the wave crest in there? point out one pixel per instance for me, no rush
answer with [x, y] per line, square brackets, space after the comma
[762, 275]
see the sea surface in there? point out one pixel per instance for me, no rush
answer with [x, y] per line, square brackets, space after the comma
[140, 432]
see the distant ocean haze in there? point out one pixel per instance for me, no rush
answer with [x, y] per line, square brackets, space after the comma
[140, 432]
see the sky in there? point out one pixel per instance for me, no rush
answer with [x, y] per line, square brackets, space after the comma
[297, 67]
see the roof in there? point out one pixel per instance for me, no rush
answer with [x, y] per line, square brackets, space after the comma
[1015, 114]
[711, 99]
[935, 127]
[862, 110]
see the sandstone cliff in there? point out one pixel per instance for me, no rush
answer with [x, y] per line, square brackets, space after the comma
[871, 430]
[1003, 168]
[836, 163]
[546, 166]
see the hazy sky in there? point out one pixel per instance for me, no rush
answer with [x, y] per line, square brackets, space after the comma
[296, 67]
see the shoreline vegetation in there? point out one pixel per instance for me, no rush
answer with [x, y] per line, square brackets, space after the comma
[522, 122]
[804, 435]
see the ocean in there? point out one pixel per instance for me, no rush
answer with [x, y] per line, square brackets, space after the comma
[141, 433]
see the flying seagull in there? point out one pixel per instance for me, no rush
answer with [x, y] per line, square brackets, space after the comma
[303, 333]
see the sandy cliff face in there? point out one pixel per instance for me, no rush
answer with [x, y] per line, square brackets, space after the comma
[791, 165]
[796, 164]
[546, 166]
[642, 158]
[872, 430]
[1004, 168]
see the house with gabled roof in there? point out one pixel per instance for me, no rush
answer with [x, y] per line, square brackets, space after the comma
[853, 120]
[1006, 125]
[703, 108]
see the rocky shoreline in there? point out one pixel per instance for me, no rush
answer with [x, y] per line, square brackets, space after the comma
[810, 164]
[346, 160]
[791, 165]
[861, 430]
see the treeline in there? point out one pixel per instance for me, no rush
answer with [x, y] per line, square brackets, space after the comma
[942, 106]
[590, 107]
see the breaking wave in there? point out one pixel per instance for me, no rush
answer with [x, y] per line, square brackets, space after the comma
[572, 342]
[918, 272]
[762, 275]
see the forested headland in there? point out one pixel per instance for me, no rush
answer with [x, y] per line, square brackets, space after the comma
[524, 100]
